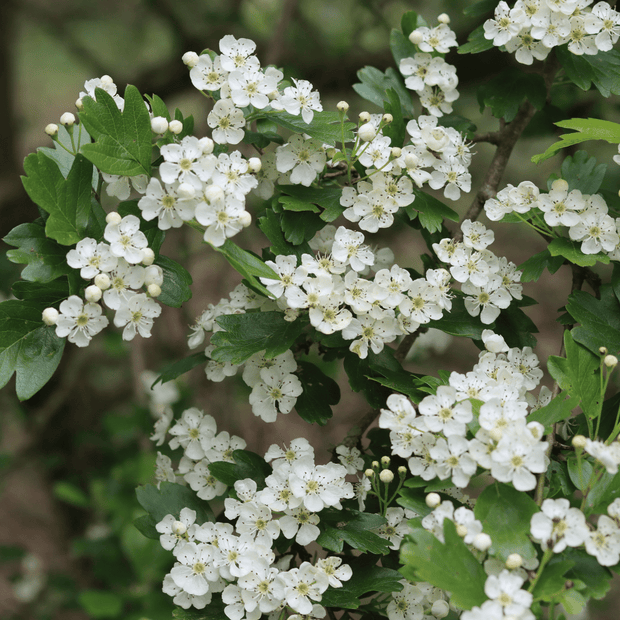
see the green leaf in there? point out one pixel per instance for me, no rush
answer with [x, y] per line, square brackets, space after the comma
[458, 322]
[70, 494]
[325, 126]
[516, 327]
[599, 319]
[430, 211]
[248, 265]
[320, 392]
[398, 379]
[361, 378]
[570, 250]
[66, 200]
[48, 294]
[580, 481]
[45, 259]
[396, 129]
[158, 107]
[295, 204]
[146, 526]
[355, 532]
[480, 8]
[552, 581]
[533, 267]
[401, 46]
[449, 566]
[506, 91]
[175, 290]
[246, 334]
[596, 579]
[27, 347]
[476, 42]
[581, 172]
[374, 85]
[326, 197]
[299, 228]
[123, 140]
[460, 123]
[175, 370]
[558, 409]
[101, 604]
[586, 129]
[213, 611]
[170, 499]
[602, 70]
[271, 226]
[409, 22]
[246, 465]
[505, 514]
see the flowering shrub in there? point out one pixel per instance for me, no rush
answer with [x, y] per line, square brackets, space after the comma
[385, 528]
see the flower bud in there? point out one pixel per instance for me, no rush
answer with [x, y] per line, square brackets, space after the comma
[385, 461]
[159, 125]
[611, 361]
[190, 59]
[51, 130]
[402, 471]
[433, 500]
[106, 80]
[148, 256]
[255, 164]
[440, 609]
[50, 316]
[206, 145]
[67, 119]
[461, 530]
[179, 528]
[175, 127]
[482, 542]
[102, 280]
[214, 193]
[153, 274]
[513, 561]
[92, 294]
[579, 442]
[186, 191]
[444, 18]
[559, 185]
[342, 106]
[367, 132]
[387, 118]
[364, 117]
[386, 476]
[154, 290]
[416, 37]
[79, 104]
[245, 219]
[603, 350]
[369, 473]
[411, 160]
[395, 152]
[113, 218]
[375, 464]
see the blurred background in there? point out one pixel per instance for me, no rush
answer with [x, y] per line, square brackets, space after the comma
[71, 457]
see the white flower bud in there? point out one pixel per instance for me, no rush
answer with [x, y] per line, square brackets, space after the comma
[395, 153]
[440, 608]
[106, 80]
[179, 528]
[386, 476]
[159, 125]
[367, 132]
[92, 294]
[148, 256]
[416, 37]
[113, 218]
[603, 350]
[175, 127]
[482, 542]
[245, 219]
[190, 59]
[214, 193]
[51, 129]
[385, 461]
[559, 185]
[387, 118]
[433, 500]
[50, 316]
[611, 361]
[153, 274]
[461, 530]
[186, 191]
[444, 18]
[206, 145]
[402, 471]
[79, 104]
[342, 106]
[375, 464]
[364, 117]
[154, 290]
[102, 280]
[67, 119]
[513, 561]
[579, 442]
[411, 160]
[369, 473]
[255, 164]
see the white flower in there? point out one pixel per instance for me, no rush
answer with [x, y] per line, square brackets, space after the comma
[136, 315]
[558, 525]
[304, 159]
[126, 239]
[208, 74]
[406, 604]
[300, 98]
[604, 543]
[91, 258]
[201, 480]
[276, 393]
[177, 531]
[78, 321]
[194, 571]
[226, 121]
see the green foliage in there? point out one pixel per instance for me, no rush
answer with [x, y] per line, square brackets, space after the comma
[581, 172]
[325, 126]
[480, 8]
[449, 565]
[534, 266]
[213, 611]
[300, 198]
[601, 70]
[401, 46]
[458, 322]
[506, 91]
[176, 369]
[476, 42]
[558, 409]
[246, 465]
[351, 527]
[320, 393]
[430, 211]
[585, 129]
[271, 226]
[246, 334]
[123, 140]
[570, 250]
[374, 84]
[101, 604]
[175, 289]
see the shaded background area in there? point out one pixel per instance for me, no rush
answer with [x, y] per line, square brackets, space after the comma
[70, 458]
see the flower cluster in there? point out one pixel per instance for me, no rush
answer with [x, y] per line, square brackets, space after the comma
[434, 438]
[534, 27]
